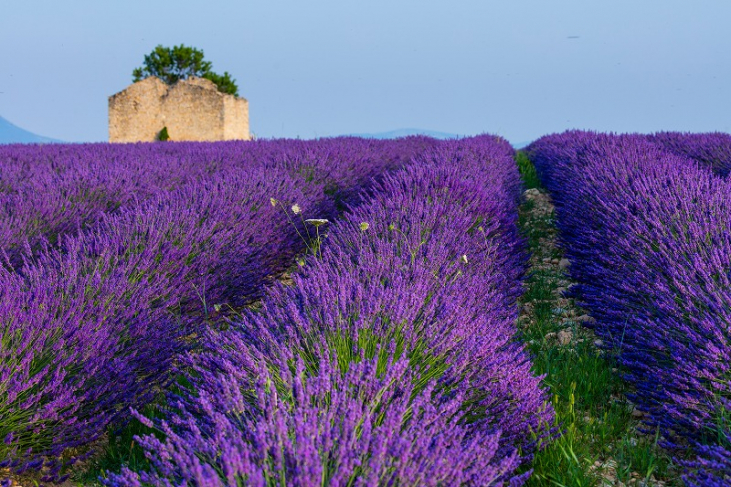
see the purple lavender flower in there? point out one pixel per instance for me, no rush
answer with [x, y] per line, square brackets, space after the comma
[712, 468]
[391, 359]
[710, 149]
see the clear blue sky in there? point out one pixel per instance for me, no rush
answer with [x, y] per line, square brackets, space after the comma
[519, 68]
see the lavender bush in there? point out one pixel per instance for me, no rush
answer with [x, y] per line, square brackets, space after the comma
[391, 360]
[710, 149]
[91, 323]
[712, 468]
[648, 236]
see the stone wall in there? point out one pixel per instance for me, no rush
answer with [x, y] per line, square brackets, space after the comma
[236, 114]
[191, 109]
[135, 114]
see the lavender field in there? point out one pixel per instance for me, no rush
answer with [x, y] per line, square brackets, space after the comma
[367, 312]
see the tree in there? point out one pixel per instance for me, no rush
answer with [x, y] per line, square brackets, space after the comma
[181, 62]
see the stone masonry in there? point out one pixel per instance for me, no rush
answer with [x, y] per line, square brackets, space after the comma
[191, 109]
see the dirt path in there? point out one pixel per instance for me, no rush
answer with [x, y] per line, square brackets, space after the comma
[600, 445]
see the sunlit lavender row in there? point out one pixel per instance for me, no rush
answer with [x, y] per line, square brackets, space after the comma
[648, 234]
[131, 249]
[390, 360]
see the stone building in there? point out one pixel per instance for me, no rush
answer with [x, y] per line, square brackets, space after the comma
[191, 109]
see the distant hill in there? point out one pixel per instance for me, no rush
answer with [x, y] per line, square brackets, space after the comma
[394, 134]
[12, 134]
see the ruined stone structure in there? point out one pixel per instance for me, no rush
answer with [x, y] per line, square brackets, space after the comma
[191, 109]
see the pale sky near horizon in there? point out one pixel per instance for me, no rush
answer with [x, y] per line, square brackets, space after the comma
[518, 68]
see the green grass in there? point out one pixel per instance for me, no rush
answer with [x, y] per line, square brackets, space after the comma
[593, 418]
[527, 171]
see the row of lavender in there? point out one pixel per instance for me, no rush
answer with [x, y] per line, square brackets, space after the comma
[390, 361]
[91, 324]
[712, 149]
[47, 191]
[648, 234]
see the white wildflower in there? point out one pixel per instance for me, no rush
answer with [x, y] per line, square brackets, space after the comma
[296, 209]
[364, 226]
[316, 222]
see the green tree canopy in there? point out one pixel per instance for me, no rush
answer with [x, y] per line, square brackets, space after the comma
[181, 62]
